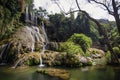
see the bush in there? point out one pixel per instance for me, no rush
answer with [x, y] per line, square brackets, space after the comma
[108, 56]
[72, 61]
[117, 51]
[33, 59]
[82, 40]
[71, 48]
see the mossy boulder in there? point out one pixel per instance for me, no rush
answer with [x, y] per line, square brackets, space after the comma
[52, 58]
[60, 73]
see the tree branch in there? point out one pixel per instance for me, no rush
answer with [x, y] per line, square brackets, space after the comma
[77, 4]
[118, 7]
[109, 11]
[61, 9]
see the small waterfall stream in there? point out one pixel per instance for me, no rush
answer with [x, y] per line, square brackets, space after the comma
[43, 28]
[27, 14]
[44, 43]
[4, 53]
[43, 50]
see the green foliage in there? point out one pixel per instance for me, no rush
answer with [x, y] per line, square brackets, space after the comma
[32, 61]
[117, 51]
[94, 31]
[70, 48]
[108, 56]
[82, 40]
[72, 61]
[61, 25]
[9, 14]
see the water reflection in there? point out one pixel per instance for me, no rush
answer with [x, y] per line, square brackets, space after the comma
[95, 73]
[85, 73]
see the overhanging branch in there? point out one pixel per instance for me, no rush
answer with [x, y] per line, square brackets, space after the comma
[118, 7]
[107, 7]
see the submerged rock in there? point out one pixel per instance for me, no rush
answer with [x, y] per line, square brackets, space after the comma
[60, 73]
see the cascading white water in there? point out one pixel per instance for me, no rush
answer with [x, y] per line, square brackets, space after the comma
[33, 17]
[44, 43]
[43, 50]
[36, 20]
[44, 32]
[27, 15]
[4, 53]
[35, 33]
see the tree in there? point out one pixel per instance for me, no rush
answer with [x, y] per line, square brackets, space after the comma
[113, 8]
[114, 58]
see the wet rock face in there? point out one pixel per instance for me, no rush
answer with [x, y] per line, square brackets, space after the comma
[28, 36]
[23, 41]
[60, 73]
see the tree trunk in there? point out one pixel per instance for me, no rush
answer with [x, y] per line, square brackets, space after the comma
[116, 15]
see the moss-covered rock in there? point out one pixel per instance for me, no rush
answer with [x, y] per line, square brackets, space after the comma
[51, 58]
[33, 59]
[60, 73]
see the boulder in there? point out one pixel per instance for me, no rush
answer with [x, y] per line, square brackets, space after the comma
[60, 73]
[96, 53]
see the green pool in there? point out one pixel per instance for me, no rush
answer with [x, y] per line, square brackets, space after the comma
[84, 73]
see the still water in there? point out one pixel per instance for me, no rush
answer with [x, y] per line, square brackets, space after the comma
[84, 73]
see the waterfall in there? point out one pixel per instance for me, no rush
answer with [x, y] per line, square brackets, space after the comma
[35, 33]
[36, 20]
[44, 32]
[27, 14]
[21, 60]
[44, 44]
[32, 17]
[43, 50]
[32, 38]
[4, 52]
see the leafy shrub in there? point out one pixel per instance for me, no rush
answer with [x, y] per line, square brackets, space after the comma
[71, 48]
[82, 40]
[117, 51]
[108, 56]
[32, 61]
[72, 61]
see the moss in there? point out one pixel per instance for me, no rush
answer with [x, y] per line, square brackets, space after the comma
[33, 59]
[29, 62]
